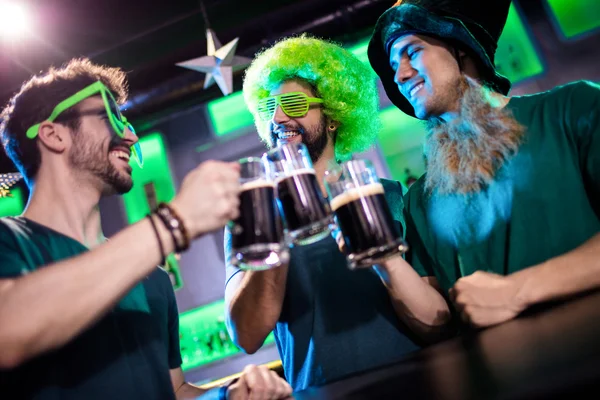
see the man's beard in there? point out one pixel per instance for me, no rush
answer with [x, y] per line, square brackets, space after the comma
[91, 159]
[315, 140]
[463, 155]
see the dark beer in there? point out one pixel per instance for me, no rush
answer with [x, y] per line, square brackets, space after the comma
[259, 222]
[300, 199]
[365, 218]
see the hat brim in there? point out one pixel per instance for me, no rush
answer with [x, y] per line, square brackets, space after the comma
[411, 19]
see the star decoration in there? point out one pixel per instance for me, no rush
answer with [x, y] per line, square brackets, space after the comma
[7, 181]
[219, 64]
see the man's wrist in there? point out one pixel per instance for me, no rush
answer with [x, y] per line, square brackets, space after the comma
[382, 271]
[388, 266]
[528, 290]
[223, 390]
[217, 393]
[224, 393]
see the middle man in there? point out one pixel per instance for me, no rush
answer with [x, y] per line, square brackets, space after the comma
[329, 321]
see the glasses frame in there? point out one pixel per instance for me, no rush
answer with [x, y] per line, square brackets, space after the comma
[293, 104]
[117, 120]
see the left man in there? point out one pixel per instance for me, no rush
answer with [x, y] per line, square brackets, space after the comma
[82, 317]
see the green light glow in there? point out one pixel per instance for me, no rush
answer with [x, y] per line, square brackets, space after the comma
[229, 114]
[154, 179]
[399, 132]
[360, 51]
[156, 170]
[516, 56]
[575, 17]
[204, 338]
[12, 206]
[399, 135]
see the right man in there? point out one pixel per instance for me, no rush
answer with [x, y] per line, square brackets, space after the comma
[507, 214]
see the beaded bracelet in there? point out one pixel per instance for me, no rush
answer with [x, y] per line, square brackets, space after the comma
[175, 225]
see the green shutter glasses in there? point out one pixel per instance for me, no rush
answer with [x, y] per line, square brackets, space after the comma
[117, 121]
[293, 104]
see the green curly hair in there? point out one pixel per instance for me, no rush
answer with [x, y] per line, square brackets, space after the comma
[346, 85]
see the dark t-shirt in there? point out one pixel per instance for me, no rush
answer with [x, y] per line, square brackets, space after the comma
[335, 322]
[125, 355]
[544, 202]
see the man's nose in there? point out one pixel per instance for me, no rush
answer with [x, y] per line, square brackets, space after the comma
[279, 116]
[130, 137]
[404, 72]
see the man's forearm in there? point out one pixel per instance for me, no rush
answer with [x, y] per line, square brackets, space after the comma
[562, 276]
[255, 306]
[190, 392]
[417, 303]
[47, 308]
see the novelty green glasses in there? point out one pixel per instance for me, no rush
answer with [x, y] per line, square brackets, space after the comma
[293, 104]
[117, 121]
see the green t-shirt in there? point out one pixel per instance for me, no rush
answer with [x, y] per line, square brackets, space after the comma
[126, 355]
[544, 202]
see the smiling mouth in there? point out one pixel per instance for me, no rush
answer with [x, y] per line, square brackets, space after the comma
[416, 88]
[120, 154]
[286, 135]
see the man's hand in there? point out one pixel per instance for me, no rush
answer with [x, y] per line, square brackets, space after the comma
[485, 299]
[259, 383]
[208, 197]
[339, 239]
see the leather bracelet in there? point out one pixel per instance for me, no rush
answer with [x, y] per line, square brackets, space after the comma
[160, 244]
[175, 226]
[168, 222]
[183, 230]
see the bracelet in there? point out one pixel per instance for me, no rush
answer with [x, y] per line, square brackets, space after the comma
[184, 231]
[171, 225]
[178, 230]
[175, 225]
[223, 392]
[225, 388]
[160, 245]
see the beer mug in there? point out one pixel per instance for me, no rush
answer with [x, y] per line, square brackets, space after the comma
[363, 214]
[306, 212]
[257, 237]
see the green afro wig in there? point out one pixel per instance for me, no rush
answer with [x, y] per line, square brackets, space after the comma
[346, 85]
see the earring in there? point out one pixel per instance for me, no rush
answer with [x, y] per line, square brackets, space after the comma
[332, 127]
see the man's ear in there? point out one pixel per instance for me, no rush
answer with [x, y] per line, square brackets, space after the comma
[53, 136]
[332, 125]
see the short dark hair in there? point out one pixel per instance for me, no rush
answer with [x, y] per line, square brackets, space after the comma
[38, 97]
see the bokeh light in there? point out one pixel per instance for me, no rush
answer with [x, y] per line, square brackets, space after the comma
[14, 20]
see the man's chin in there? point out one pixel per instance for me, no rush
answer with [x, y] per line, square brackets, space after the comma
[119, 184]
[124, 185]
[420, 111]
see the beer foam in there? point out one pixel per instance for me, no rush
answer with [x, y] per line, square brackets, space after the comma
[257, 184]
[296, 172]
[342, 199]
